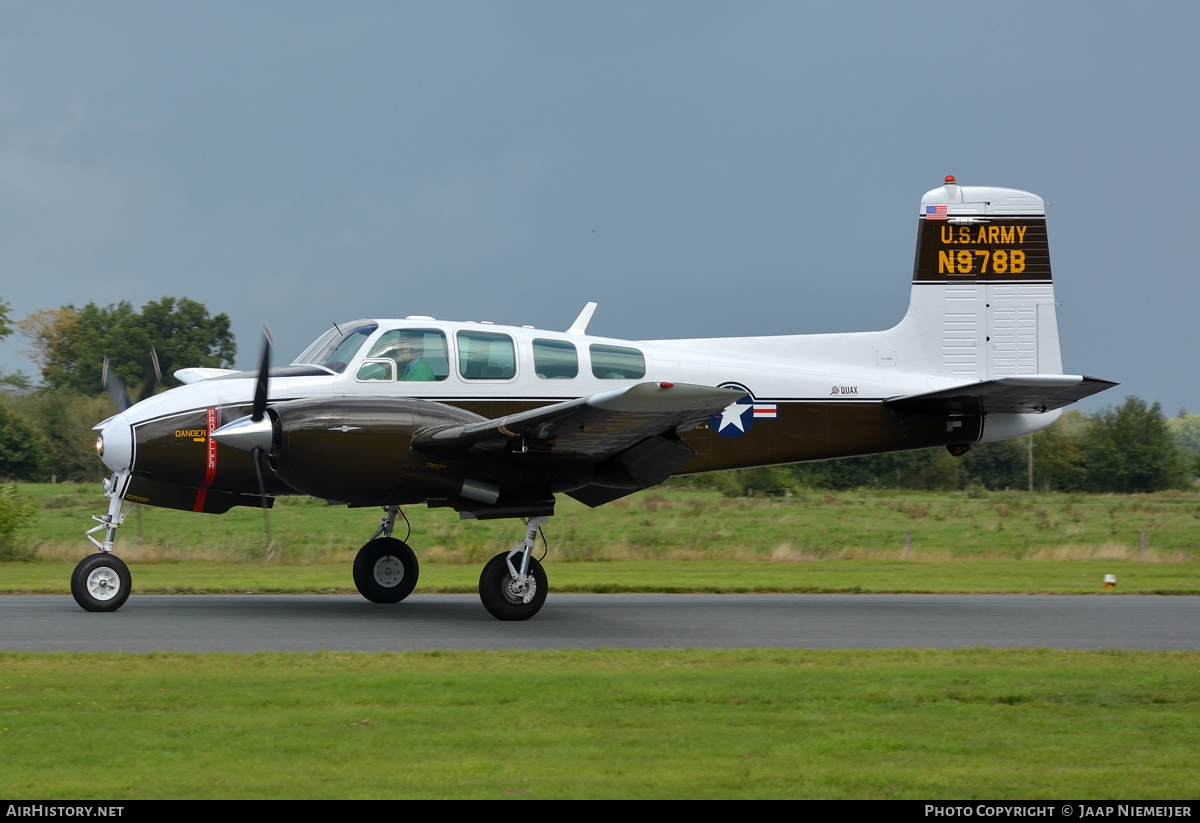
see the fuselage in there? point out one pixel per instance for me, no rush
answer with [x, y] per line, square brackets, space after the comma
[800, 397]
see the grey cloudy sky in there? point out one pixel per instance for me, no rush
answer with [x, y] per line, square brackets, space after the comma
[698, 169]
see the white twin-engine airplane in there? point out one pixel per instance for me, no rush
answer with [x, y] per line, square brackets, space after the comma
[494, 421]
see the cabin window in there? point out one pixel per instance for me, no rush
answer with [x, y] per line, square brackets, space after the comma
[418, 354]
[555, 359]
[486, 355]
[384, 370]
[617, 363]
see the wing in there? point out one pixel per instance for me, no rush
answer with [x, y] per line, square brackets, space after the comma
[630, 434]
[1019, 394]
[590, 427]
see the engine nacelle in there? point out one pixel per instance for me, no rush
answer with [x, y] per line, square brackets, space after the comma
[359, 450]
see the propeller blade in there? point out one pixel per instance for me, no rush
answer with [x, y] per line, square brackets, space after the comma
[115, 388]
[257, 452]
[264, 368]
[153, 376]
[258, 412]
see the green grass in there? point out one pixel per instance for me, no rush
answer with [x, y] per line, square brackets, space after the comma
[662, 540]
[609, 724]
[668, 523]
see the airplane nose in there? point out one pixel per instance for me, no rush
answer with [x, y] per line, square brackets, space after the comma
[115, 443]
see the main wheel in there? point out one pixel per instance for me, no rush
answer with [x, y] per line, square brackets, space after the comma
[101, 582]
[503, 597]
[385, 570]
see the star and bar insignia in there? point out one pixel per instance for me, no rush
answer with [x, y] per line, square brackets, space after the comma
[737, 418]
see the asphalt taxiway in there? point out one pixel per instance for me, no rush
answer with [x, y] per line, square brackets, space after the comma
[248, 623]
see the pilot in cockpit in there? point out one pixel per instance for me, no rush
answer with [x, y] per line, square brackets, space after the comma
[410, 361]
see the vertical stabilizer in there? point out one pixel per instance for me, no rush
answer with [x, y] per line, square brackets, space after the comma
[982, 302]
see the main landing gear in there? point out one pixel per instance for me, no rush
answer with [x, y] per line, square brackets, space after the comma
[386, 569]
[512, 586]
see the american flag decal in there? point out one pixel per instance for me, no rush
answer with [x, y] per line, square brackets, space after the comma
[935, 212]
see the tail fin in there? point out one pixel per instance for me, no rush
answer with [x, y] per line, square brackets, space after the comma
[982, 298]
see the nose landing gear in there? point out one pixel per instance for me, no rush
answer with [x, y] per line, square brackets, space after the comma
[101, 582]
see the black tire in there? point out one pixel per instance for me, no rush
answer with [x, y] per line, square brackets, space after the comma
[101, 582]
[386, 570]
[495, 589]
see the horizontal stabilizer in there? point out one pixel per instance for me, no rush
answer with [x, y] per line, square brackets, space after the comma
[590, 427]
[1019, 394]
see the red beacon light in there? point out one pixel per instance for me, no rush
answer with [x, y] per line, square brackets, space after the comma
[949, 181]
[665, 385]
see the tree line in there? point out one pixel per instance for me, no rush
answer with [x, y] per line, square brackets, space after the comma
[45, 426]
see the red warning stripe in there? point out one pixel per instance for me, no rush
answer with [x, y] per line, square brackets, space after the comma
[210, 470]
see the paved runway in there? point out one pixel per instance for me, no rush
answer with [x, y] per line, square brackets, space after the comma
[245, 623]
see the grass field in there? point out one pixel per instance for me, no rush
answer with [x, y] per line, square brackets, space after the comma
[667, 524]
[922, 724]
[662, 540]
[607, 724]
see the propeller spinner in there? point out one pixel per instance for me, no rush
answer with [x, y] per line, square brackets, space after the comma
[254, 432]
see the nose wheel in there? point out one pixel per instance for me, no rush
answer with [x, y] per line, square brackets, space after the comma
[101, 582]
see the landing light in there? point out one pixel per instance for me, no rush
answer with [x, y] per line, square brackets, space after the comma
[100, 446]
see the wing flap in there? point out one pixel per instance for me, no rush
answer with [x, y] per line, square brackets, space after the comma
[1018, 394]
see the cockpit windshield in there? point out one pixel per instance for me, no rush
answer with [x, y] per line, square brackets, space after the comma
[335, 348]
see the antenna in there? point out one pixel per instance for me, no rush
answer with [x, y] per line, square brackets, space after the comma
[581, 322]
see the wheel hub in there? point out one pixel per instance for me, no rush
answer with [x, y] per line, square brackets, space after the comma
[519, 592]
[388, 571]
[103, 584]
